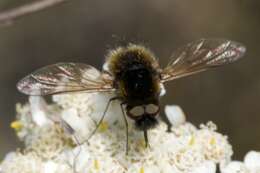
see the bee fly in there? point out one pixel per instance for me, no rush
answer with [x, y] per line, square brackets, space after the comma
[133, 73]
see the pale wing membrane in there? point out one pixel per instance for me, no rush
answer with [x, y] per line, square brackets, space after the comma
[202, 55]
[65, 77]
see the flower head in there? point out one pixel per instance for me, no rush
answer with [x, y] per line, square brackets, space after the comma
[55, 140]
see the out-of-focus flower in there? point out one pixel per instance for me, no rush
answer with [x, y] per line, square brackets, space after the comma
[251, 164]
[54, 136]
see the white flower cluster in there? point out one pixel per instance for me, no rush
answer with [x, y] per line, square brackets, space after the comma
[55, 141]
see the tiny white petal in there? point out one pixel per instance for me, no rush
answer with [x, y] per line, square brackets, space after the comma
[39, 110]
[9, 156]
[206, 167]
[150, 169]
[99, 103]
[50, 167]
[252, 161]
[175, 115]
[235, 167]
[78, 124]
[163, 91]
[105, 67]
[39, 118]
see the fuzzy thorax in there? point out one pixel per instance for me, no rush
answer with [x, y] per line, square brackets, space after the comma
[118, 59]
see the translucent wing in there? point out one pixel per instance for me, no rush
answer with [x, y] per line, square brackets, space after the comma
[65, 77]
[202, 55]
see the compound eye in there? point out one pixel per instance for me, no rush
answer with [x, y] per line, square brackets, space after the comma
[152, 109]
[137, 111]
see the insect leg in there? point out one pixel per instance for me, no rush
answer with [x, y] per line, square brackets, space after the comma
[71, 131]
[77, 155]
[102, 118]
[126, 125]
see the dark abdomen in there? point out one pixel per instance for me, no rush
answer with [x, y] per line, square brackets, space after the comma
[138, 84]
[136, 77]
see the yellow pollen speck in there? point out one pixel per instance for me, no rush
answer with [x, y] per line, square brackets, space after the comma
[16, 125]
[141, 170]
[212, 141]
[96, 164]
[103, 126]
[192, 140]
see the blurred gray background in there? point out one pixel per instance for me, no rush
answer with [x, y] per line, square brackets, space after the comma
[83, 31]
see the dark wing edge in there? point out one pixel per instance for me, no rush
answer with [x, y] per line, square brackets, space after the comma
[65, 78]
[201, 55]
